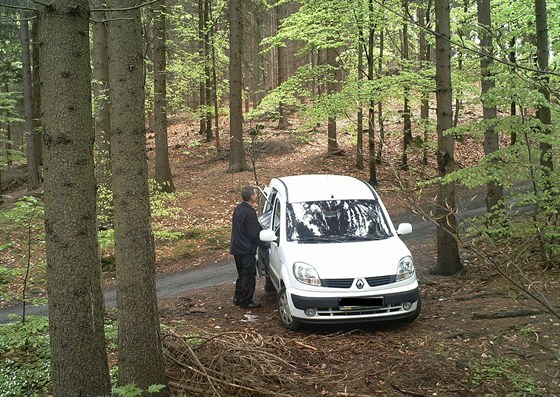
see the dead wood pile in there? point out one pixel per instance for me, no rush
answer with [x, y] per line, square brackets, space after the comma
[248, 364]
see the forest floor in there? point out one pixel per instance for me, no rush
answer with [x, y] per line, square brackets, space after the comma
[477, 334]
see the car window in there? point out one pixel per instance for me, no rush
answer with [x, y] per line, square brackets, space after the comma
[266, 206]
[276, 217]
[336, 221]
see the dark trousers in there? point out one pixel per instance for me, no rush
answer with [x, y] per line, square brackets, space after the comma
[245, 283]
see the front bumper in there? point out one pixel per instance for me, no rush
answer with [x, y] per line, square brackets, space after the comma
[345, 309]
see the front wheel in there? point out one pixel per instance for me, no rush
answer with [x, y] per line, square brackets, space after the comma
[286, 317]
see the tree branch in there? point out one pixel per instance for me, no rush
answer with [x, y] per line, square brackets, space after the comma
[124, 9]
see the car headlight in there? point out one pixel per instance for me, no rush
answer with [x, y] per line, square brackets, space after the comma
[306, 274]
[405, 268]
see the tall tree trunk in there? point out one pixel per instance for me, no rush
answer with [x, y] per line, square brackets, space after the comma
[423, 55]
[543, 112]
[162, 175]
[214, 77]
[513, 106]
[407, 122]
[78, 352]
[237, 160]
[140, 351]
[494, 191]
[332, 143]
[102, 117]
[282, 70]
[207, 71]
[33, 179]
[37, 129]
[448, 260]
[371, 110]
[360, 117]
[202, 82]
[380, 112]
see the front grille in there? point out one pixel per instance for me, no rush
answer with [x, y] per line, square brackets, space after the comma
[347, 282]
[337, 282]
[381, 280]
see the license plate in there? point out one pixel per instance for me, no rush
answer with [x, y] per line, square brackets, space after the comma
[351, 303]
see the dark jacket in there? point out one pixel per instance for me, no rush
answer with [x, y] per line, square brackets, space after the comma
[245, 230]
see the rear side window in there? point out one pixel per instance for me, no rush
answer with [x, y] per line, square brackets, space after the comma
[336, 221]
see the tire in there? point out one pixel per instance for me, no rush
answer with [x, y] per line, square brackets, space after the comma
[284, 314]
[268, 286]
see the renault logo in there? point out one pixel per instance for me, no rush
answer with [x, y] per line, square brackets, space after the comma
[360, 284]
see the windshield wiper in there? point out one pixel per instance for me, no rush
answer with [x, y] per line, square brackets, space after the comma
[369, 237]
[319, 239]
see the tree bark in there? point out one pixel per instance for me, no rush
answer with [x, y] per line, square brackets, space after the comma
[163, 177]
[448, 261]
[78, 352]
[237, 162]
[140, 352]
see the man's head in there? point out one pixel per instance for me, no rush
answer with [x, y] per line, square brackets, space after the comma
[248, 192]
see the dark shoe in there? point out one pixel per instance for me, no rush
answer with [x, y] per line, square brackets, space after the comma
[250, 305]
[235, 301]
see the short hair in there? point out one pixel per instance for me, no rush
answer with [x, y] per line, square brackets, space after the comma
[247, 192]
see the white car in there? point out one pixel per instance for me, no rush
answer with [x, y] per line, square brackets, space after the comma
[332, 253]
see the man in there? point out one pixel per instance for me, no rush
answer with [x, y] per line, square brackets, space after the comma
[244, 241]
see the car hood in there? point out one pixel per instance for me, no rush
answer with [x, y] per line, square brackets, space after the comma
[350, 259]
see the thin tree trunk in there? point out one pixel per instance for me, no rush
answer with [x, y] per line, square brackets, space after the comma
[214, 78]
[448, 260]
[33, 179]
[543, 112]
[140, 351]
[494, 191]
[407, 122]
[79, 362]
[513, 106]
[207, 72]
[162, 175]
[380, 112]
[37, 129]
[423, 54]
[371, 110]
[360, 121]
[202, 84]
[282, 71]
[102, 116]
[332, 143]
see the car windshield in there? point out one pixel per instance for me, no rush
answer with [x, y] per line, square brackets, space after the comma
[336, 221]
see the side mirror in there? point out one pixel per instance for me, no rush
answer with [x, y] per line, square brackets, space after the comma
[404, 228]
[267, 236]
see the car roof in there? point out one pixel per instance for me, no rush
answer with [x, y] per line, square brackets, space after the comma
[301, 188]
